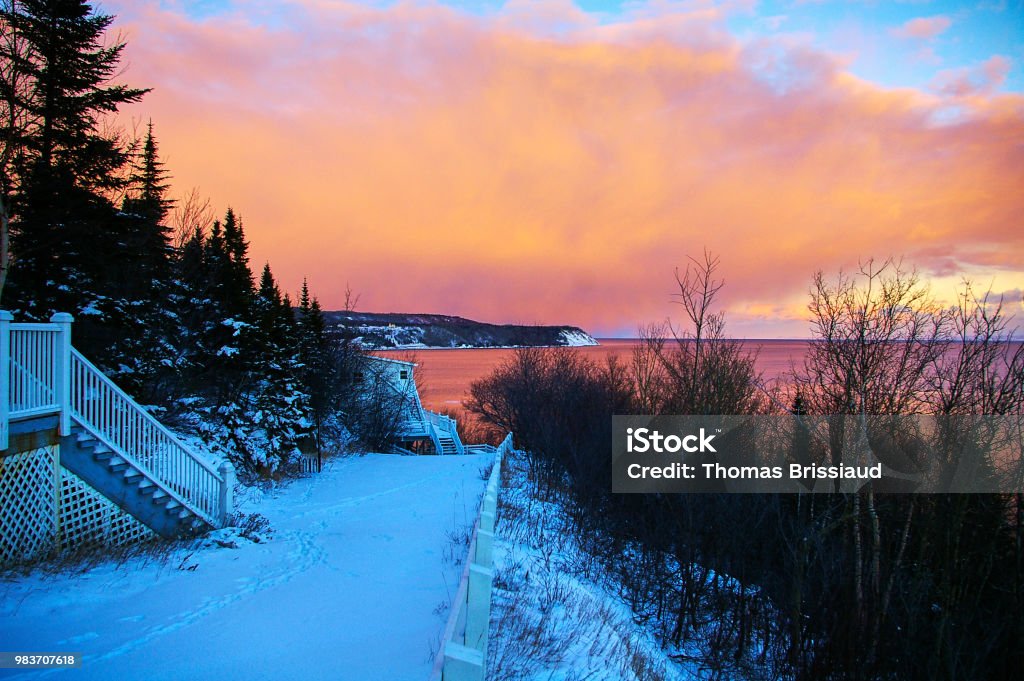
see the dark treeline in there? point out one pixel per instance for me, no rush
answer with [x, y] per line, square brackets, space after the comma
[163, 296]
[859, 585]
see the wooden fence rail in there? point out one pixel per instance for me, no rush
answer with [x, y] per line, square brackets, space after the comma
[463, 652]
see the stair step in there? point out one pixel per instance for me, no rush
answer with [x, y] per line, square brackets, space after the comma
[172, 504]
[116, 463]
[146, 484]
[131, 474]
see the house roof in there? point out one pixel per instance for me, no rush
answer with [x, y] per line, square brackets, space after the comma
[389, 360]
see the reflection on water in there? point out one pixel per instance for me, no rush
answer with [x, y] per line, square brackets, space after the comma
[445, 375]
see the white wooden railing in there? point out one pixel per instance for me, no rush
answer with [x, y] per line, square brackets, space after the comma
[31, 369]
[46, 375]
[463, 652]
[445, 424]
[106, 410]
[423, 419]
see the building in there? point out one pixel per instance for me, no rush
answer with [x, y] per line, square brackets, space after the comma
[419, 430]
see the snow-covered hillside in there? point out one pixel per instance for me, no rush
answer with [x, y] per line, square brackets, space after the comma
[393, 330]
[576, 338]
[353, 581]
[556, 614]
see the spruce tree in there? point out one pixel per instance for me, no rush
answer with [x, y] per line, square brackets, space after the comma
[196, 311]
[279, 404]
[148, 196]
[63, 238]
[229, 336]
[140, 329]
[320, 362]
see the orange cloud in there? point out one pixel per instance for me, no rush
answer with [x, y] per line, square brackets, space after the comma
[448, 163]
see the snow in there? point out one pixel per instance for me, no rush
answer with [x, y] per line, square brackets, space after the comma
[577, 339]
[236, 325]
[352, 582]
[556, 614]
[89, 310]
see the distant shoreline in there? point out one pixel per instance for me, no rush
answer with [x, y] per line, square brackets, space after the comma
[395, 331]
[604, 342]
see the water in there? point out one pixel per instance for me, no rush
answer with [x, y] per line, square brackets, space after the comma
[445, 375]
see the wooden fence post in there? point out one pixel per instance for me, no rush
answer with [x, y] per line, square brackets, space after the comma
[462, 663]
[478, 613]
[227, 488]
[62, 373]
[484, 548]
[5, 377]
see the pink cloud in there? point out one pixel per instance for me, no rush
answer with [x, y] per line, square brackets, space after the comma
[983, 79]
[923, 28]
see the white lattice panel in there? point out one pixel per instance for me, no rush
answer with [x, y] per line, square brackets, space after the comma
[30, 511]
[28, 518]
[87, 518]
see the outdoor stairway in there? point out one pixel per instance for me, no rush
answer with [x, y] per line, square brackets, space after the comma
[440, 429]
[447, 443]
[50, 392]
[119, 479]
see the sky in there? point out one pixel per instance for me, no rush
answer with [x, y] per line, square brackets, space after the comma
[554, 162]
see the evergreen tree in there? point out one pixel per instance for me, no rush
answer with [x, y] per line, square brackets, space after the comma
[279, 403]
[144, 212]
[321, 362]
[228, 337]
[195, 309]
[139, 325]
[237, 278]
[148, 198]
[63, 238]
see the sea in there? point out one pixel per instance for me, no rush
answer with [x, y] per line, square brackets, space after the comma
[444, 375]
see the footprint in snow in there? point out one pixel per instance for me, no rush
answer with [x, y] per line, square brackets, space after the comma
[81, 638]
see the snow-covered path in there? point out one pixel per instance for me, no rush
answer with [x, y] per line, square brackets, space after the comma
[348, 587]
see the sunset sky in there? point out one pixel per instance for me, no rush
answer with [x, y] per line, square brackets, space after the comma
[553, 162]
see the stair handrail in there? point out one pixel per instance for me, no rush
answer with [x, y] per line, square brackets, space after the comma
[146, 473]
[195, 482]
[78, 391]
[448, 425]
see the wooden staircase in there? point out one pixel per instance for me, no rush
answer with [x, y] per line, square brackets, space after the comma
[421, 423]
[447, 443]
[106, 438]
[119, 478]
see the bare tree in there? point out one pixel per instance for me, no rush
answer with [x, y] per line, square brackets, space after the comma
[16, 119]
[192, 215]
[351, 299]
[701, 370]
[649, 376]
[981, 370]
[877, 335]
